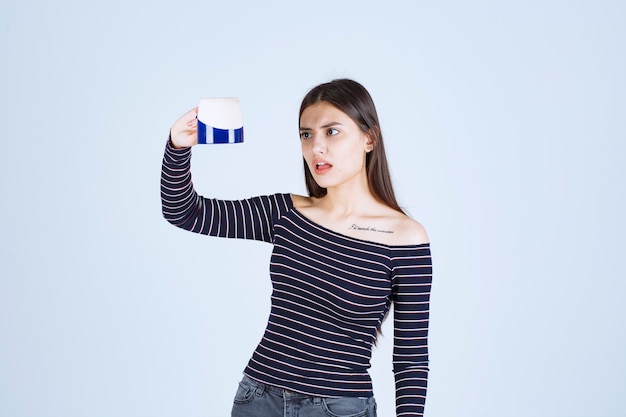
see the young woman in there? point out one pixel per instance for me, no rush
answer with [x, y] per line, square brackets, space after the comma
[342, 255]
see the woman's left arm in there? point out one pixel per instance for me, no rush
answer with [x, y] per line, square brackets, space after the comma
[411, 284]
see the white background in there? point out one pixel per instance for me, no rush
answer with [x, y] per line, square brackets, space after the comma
[505, 128]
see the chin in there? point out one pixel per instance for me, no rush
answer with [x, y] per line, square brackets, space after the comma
[324, 183]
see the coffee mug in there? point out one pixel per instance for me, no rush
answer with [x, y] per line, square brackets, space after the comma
[220, 121]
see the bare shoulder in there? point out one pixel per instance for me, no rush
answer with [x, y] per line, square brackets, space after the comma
[374, 222]
[410, 231]
[300, 201]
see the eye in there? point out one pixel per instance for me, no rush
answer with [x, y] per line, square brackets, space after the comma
[332, 132]
[305, 135]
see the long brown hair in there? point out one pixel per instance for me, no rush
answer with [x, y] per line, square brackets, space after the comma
[354, 100]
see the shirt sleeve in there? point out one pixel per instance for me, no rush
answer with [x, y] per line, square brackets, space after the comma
[183, 207]
[411, 284]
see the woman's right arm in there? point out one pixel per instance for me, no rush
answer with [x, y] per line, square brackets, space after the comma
[251, 218]
[178, 198]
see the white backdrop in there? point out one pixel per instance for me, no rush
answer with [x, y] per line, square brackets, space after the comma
[504, 123]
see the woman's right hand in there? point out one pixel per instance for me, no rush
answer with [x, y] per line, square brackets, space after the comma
[184, 131]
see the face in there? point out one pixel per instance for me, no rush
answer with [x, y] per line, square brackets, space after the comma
[333, 146]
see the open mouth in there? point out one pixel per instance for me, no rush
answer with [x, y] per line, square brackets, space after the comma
[321, 167]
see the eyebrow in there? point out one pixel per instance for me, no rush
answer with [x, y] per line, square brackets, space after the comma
[331, 124]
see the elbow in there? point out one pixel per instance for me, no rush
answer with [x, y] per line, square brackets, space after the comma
[400, 367]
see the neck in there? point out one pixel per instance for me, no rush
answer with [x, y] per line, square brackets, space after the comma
[348, 198]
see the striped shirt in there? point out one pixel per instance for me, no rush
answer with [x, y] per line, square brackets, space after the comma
[330, 293]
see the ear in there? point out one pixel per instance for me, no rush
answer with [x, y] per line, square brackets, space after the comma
[371, 136]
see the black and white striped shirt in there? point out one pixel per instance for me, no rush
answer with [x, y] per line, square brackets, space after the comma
[330, 293]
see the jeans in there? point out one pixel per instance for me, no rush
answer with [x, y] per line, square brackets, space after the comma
[254, 399]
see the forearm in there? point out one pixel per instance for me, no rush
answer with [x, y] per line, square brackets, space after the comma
[179, 201]
[411, 385]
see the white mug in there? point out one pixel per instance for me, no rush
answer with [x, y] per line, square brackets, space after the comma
[220, 121]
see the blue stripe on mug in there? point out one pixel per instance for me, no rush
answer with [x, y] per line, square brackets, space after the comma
[239, 135]
[220, 135]
[201, 132]
[207, 134]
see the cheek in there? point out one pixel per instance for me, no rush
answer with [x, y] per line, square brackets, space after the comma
[306, 152]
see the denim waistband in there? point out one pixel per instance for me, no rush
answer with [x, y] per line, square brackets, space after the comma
[261, 387]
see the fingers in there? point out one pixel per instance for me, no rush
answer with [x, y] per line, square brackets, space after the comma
[188, 118]
[184, 130]
[187, 121]
[192, 117]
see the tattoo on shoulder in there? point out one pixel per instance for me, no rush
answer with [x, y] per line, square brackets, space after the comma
[369, 228]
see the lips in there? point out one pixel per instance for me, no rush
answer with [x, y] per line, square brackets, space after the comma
[321, 167]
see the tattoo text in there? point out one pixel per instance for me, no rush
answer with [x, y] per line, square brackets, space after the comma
[369, 228]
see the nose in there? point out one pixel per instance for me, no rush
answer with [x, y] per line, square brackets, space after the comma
[319, 145]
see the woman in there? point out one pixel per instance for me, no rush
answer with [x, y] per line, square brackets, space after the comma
[341, 257]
